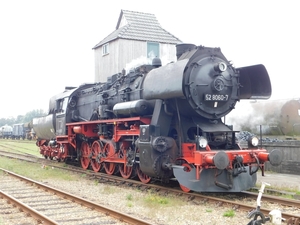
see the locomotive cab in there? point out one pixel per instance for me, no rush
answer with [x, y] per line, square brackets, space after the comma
[61, 112]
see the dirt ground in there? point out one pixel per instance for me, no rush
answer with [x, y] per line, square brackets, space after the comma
[279, 180]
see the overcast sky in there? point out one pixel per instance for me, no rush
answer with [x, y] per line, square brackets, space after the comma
[47, 45]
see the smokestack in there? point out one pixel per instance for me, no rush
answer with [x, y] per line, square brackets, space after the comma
[182, 48]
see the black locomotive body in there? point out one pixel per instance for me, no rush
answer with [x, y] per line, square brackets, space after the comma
[162, 122]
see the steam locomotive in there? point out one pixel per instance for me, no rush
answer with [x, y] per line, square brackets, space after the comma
[162, 123]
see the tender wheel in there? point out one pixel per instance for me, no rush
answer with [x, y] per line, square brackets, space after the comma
[108, 151]
[85, 152]
[96, 149]
[143, 177]
[188, 169]
[125, 171]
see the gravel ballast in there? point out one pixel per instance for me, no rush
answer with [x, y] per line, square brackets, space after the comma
[155, 209]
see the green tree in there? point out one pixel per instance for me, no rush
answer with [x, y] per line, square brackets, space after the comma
[22, 118]
[19, 119]
[33, 114]
[9, 121]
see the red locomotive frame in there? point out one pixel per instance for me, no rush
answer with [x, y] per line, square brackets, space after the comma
[102, 153]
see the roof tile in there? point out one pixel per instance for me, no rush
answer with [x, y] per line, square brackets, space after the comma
[140, 26]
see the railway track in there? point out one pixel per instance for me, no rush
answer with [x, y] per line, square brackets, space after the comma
[48, 205]
[22, 156]
[14, 145]
[290, 208]
[11, 214]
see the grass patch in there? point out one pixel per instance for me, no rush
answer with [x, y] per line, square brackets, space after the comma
[208, 210]
[109, 189]
[288, 196]
[35, 171]
[129, 197]
[129, 204]
[229, 213]
[156, 199]
[20, 146]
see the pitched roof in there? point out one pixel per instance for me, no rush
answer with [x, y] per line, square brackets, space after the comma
[139, 26]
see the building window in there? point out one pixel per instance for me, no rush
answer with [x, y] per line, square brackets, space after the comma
[105, 49]
[152, 50]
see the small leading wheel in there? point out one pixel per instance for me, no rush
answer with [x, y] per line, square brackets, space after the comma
[85, 152]
[108, 151]
[143, 177]
[96, 149]
[188, 168]
[125, 171]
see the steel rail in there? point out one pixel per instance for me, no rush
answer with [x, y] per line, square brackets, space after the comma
[277, 200]
[108, 211]
[198, 196]
[28, 210]
[245, 207]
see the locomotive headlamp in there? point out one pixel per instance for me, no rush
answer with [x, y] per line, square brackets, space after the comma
[220, 67]
[202, 141]
[253, 141]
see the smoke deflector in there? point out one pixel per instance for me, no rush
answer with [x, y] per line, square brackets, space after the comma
[254, 82]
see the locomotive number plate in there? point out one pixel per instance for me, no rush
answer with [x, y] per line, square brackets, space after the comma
[210, 97]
